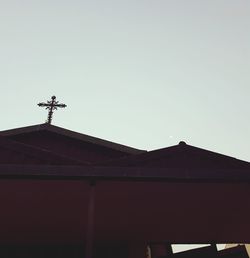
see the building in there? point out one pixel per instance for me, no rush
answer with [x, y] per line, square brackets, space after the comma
[67, 194]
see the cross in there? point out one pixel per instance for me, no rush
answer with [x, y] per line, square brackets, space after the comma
[51, 106]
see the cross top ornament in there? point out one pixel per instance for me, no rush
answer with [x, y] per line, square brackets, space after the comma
[51, 105]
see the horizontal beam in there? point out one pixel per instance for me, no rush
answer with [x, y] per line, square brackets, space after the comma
[124, 173]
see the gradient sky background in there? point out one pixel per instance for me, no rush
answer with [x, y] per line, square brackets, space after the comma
[144, 73]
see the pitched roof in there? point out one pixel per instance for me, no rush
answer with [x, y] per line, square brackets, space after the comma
[181, 161]
[12, 152]
[180, 156]
[71, 134]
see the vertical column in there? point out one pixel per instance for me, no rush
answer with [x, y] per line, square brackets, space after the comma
[169, 249]
[214, 246]
[90, 222]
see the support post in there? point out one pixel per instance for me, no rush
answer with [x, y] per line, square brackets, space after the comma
[90, 222]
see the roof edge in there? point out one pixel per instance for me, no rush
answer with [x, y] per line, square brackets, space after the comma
[72, 134]
[123, 173]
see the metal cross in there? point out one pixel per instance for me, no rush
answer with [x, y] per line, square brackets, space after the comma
[51, 106]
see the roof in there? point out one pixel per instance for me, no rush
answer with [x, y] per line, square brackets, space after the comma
[178, 162]
[62, 142]
[70, 134]
[180, 156]
[12, 152]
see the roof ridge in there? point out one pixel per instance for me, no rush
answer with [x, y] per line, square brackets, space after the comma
[179, 149]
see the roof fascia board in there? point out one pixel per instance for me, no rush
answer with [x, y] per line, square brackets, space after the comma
[147, 174]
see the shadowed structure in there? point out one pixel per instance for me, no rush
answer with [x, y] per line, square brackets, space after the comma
[64, 192]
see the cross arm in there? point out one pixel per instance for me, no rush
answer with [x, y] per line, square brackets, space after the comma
[61, 105]
[43, 104]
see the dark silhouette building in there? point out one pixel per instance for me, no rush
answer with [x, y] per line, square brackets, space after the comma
[65, 194]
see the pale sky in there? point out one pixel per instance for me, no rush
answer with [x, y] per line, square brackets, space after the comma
[144, 73]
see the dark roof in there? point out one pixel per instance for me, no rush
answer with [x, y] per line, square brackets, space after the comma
[179, 162]
[71, 134]
[12, 152]
[180, 156]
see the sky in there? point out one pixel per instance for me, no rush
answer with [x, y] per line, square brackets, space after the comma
[144, 73]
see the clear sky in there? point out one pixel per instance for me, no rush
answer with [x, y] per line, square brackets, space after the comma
[144, 73]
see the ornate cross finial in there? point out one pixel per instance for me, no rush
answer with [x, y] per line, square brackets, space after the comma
[51, 106]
